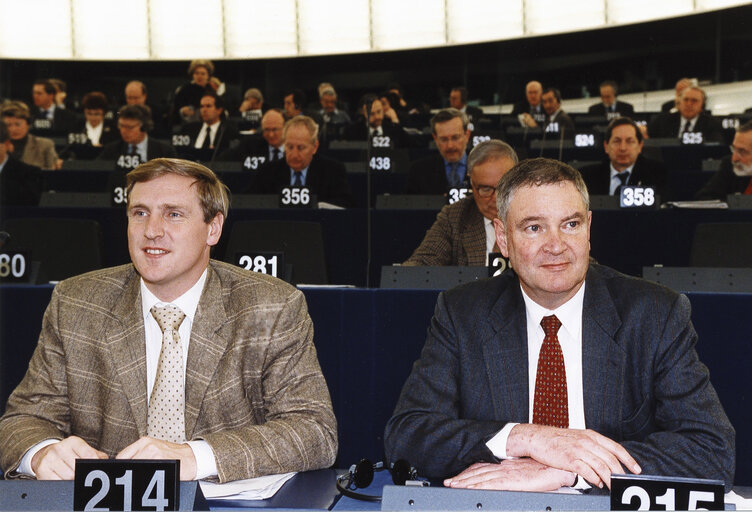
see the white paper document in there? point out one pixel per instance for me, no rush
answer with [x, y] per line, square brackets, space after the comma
[259, 488]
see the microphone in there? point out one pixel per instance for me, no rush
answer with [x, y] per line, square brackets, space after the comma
[561, 143]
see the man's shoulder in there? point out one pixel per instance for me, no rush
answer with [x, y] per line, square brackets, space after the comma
[464, 209]
[481, 294]
[15, 166]
[96, 286]
[244, 287]
[628, 290]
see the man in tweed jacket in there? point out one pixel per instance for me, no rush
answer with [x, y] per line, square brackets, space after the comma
[255, 399]
[463, 234]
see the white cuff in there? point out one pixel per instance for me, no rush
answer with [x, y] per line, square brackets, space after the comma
[24, 467]
[206, 464]
[498, 443]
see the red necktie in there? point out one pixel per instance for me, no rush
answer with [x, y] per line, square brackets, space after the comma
[550, 406]
[748, 190]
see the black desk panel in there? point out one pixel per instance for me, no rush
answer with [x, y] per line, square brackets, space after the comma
[367, 341]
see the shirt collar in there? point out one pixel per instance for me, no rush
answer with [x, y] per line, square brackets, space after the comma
[188, 302]
[569, 313]
[462, 163]
[614, 172]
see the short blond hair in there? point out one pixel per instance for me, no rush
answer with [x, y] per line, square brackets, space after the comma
[306, 121]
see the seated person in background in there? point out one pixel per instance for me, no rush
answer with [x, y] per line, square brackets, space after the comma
[558, 123]
[251, 109]
[530, 110]
[463, 232]
[672, 105]
[516, 368]
[388, 99]
[438, 173]
[254, 151]
[135, 146]
[61, 91]
[689, 119]
[392, 135]
[458, 100]
[20, 184]
[294, 101]
[302, 167]
[624, 163]
[47, 118]
[212, 135]
[735, 174]
[609, 106]
[252, 399]
[30, 149]
[185, 107]
[94, 131]
[334, 120]
[137, 94]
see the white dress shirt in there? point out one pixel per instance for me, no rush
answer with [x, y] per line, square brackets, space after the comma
[615, 181]
[202, 135]
[570, 339]
[490, 236]
[94, 133]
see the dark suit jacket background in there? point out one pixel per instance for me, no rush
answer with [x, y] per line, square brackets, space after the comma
[565, 124]
[397, 135]
[326, 178]
[88, 151]
[622, 107]
[20, 183]
[646, 172]
[63, 122]
[723, 182]
[154, 149]
[428, 176]
[523, 106]
[227, 135]
[474, 114]
[643, 385]
[667, 126]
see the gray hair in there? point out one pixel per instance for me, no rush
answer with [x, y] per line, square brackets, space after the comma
[489, 150]
[536, 172]
[253, 93]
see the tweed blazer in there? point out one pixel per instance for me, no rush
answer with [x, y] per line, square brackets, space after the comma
[254, 389]
[643, 385]
[457, 238]
[40, 152]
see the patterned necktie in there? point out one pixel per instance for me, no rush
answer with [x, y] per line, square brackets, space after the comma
[166, 416]
[298, 179]
[550, 406]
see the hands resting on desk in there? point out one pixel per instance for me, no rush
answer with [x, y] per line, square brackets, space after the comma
[550, 458]
[57, 461]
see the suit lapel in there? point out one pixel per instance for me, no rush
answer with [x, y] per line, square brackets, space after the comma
[127, 345]
[505, 353]
[603, 359]
[206, 348]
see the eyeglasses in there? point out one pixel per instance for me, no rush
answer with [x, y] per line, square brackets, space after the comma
[484, 190]
[744, 153]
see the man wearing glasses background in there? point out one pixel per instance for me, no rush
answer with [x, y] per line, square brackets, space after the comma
[734, 175]
[463, 232]
[624, 163]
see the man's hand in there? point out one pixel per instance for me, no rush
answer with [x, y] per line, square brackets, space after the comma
[57, 461]
[512, 475]
[590, 454]
[527, 120]
[150, 448]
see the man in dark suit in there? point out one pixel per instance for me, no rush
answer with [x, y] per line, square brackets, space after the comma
[49, 118]
[610, 107]
[624, 163]
[390, 135]
[458, 100]
[516, 367]
[303, 168]
[463, 233]
[530, 110]
[135, 146]
[436, 174]
[254, 151]
[174, 356]
[689, 119]
[558, 123]
[20, 183]
[212, 135]
[735, 174]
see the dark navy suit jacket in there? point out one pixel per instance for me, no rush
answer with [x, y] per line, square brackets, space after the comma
[643, 385]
